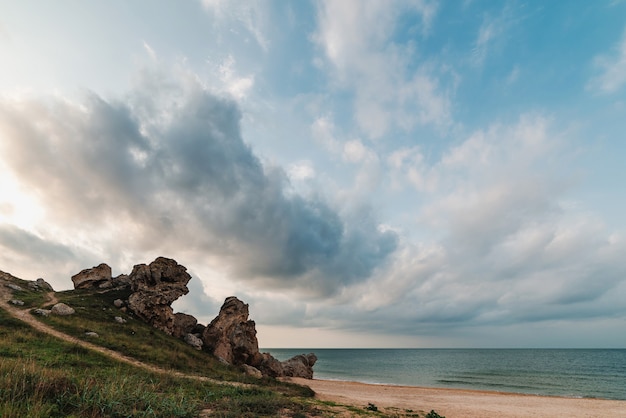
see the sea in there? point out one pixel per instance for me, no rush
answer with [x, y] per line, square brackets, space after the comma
[578, 373]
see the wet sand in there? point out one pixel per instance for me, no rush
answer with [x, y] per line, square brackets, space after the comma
[459, 403]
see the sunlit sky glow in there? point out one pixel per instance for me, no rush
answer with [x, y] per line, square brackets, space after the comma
[362, 173]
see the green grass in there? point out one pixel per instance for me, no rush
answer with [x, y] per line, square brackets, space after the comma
[42, 376]
[29, 297]
[96, 312]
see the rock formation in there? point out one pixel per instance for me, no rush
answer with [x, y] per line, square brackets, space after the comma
[98, 277]
[300, 366]
[40, 284]
[93, 277]
[155, 287]
[231, 336]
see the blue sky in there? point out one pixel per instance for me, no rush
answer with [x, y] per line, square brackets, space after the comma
[362, 173]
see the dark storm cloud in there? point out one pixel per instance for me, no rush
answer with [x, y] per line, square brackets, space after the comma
[166, 169]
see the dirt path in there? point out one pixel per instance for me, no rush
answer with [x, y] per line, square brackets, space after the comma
[25, 316]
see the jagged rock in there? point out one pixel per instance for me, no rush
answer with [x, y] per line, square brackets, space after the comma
[194, 341]
[183, 324]
[231, 336]
[13, 286]
[62, 309]
[252, 371]
[17, 302]
[270, 366]
[92, 334]
[122, 280]
[300, 366]
[44, 285]
[120, 320]
[42, 312]
[155, 287]
[118, 303]
[93, 277]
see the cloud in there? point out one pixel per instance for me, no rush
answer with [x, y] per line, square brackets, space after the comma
[612, 70]
[501, 244]
[166, 171]
[301, 170]
[237, 86]
[250, 15]
[357, 41]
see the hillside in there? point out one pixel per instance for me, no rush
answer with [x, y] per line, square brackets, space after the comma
[55, 366]
[50, 367]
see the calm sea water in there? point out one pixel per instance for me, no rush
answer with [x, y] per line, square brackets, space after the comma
[593, 373]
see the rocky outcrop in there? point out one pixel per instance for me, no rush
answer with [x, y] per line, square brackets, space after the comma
[95, 277]
[155, 287]
[231, 336]
[270, 366]
[98, 277]
[40, 284]
[300, 366]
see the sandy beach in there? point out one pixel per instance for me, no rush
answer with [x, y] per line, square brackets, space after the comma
[456, 403]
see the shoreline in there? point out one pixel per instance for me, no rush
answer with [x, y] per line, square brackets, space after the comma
[487, 391]
[466, 403]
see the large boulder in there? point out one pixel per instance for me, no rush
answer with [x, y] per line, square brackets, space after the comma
[183, 324]
[300, 366]
[194, 341]
[231, 336]
[155, 287]
[62, 309]
[95, 277]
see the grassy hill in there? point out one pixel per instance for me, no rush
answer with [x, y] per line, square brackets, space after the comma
[44, 376]
[129, 370]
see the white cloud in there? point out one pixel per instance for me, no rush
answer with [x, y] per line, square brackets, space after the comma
[354, 151]
[249, 14]
[238, 87]
[491, 34]
[506, 248]
[612, 68]
[323, 131]
[150, 51]
[356, 39]
[196, 191]
[301, 170]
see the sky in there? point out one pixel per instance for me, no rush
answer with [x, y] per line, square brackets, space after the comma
[362, 173]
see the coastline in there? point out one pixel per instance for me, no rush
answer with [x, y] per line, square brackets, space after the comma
[460, 403]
